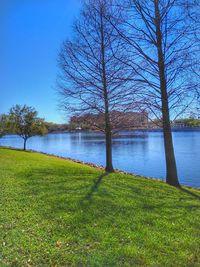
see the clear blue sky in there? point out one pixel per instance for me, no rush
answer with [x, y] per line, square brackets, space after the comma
[32, 32]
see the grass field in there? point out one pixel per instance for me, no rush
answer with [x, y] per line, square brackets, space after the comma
[56, 212]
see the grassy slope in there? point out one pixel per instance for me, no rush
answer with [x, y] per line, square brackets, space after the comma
[58, 213]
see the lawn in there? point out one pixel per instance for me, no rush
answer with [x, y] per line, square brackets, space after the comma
[56, 212]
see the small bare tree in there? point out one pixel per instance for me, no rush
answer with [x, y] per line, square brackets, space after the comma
[157, 37]
[90, 79]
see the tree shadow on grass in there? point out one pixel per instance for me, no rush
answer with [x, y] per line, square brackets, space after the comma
[58, 190]
[95, 186]
[190, 193]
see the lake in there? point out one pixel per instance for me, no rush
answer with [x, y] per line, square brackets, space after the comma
[136, 152]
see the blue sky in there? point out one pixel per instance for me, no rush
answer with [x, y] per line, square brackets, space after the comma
[32, 33]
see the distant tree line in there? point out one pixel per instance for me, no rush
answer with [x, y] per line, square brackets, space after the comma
[3, 125]
[87, 122]
[189, 122]
[57, 127]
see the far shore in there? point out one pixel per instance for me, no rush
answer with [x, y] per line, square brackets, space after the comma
[175, 129]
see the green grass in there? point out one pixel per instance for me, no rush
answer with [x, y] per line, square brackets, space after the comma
[58, 213]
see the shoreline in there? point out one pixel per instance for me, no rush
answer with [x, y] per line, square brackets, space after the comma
[174, 129]
[93, 165]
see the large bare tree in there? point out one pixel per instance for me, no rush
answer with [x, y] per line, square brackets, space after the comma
[192, 9]
[90, 79]
[158, 39]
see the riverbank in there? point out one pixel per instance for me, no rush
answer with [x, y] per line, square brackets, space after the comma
[96, 166]
[56, 212]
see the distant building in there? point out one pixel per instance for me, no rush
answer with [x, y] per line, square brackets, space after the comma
[178, 124]
[119, 120]
[133, 119]
[78, 129]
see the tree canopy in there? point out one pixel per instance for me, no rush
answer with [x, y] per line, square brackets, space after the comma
[3, 124]
[24, 122]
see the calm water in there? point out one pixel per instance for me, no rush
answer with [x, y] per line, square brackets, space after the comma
[138, 152]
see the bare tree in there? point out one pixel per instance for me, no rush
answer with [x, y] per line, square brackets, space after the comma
[158, 40]
[192, 9]
[90, 79]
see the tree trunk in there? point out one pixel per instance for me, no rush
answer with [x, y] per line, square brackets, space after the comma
[108, 132]
[109, 166]
[171, 175]
[25, 139]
